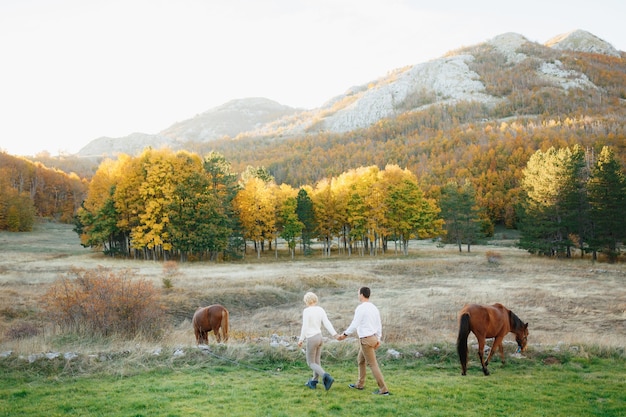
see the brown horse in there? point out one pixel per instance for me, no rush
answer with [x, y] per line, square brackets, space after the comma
[485, 322]
[210, 318]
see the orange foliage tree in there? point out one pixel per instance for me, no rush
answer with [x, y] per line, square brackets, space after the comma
[53, 194]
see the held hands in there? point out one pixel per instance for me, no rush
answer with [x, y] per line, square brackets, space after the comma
[341, 337]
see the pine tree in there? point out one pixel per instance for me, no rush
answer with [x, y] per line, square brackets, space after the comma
[607, 198]
[553, 212]
[291, 225]
[224, 188]
[460, 213]
[304, 210]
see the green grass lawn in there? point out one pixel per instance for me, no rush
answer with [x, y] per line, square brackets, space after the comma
[206, 386]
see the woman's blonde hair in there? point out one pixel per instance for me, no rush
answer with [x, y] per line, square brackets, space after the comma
[310, 298]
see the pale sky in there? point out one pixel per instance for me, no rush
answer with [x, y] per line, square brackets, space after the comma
[74, 70]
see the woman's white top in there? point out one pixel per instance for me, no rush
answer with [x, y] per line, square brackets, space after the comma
[312, 319]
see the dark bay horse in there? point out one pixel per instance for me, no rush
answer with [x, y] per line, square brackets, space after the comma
[210, 318]
[485, 322]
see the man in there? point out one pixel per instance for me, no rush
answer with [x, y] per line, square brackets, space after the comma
[368, 326]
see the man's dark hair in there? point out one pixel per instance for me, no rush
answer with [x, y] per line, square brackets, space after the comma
[365, 291]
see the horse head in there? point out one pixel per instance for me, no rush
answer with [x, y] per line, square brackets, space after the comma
[520, 329]
[521, 337]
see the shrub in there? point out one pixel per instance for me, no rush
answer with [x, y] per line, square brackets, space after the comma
[11, 313]
[22, 331]
[170, 270]
[105, 303]
[493, 257]
[168, 284]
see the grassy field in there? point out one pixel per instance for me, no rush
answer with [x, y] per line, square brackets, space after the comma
[216, 385]
[575, 363]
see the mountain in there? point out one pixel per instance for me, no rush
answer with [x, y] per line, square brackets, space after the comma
[130, 144]
[229, 119]
[582, 41]
[484, 74]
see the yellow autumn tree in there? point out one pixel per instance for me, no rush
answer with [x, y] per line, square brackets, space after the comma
[163, 171]
[256, 207]
[354, 194]
[128, 202]
[98, 215]
[330, 212]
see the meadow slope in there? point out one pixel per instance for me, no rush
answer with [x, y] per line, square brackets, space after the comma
[564, 301]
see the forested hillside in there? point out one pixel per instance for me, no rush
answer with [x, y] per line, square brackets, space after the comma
[30, 189]
[437, 145]
[485, 144]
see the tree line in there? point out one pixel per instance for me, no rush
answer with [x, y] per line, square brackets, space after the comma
[179, 205]
[164, 204]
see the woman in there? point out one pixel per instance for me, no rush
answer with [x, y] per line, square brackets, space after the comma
[313, 317]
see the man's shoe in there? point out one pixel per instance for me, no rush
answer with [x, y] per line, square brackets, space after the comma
[311, 383]
[328, 381]
[377, 392]
[355, 387]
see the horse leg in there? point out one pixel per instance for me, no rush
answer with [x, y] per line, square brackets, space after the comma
[216, 331]
[481, 353]
[224, 325]
[501, 348]
[493, 348]
[497, 344]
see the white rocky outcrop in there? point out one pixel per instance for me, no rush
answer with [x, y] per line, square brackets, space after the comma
[508, 44]
[447, 79]
[561, 77]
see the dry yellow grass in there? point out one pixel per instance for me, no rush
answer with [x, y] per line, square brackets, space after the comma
[570, 301]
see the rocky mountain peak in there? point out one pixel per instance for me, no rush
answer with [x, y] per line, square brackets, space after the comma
[582, 41]
[508, 44]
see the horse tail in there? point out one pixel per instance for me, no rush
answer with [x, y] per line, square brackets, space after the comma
[225, 324]
[461, 341]
[196, 326]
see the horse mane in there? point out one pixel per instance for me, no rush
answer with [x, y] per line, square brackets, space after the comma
[515, 322]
